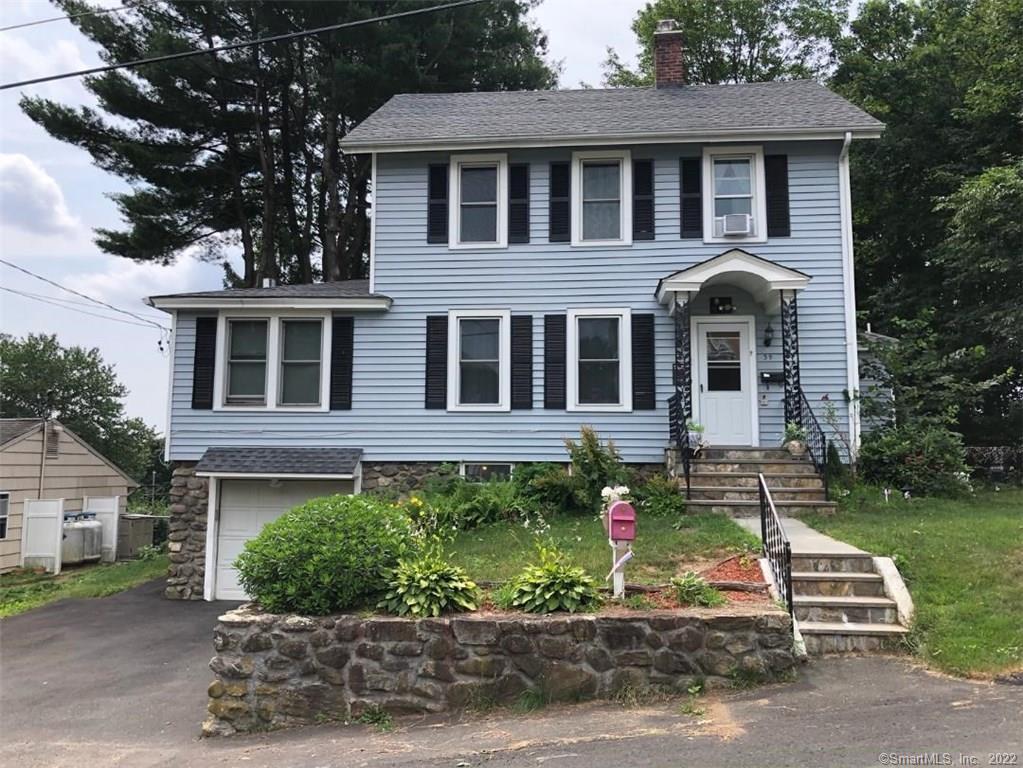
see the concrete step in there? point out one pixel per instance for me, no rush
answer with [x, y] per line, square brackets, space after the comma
[745, 493]
[724, 452]
[830, 562]
[845, 609]
[837, 584]
[749, 479]
[752, 508]
[792, 466]
[841, 637]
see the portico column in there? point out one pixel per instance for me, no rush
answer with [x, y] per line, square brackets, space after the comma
[790, 357]
[682, 374]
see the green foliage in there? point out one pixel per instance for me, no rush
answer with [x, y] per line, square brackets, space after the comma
[596, 465]
[428, 585]
[547, 487]
[928, 460]
[659, 496]
[40, 378]
[692, 589]
[835, 470]
[329, 554]
[550, 585]
[378, 717]
[460, 504]
[794, 431]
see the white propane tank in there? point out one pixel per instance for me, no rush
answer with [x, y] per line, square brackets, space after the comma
[72, 548]
[92, 539]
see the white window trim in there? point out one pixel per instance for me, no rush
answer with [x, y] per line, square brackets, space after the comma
[758, 186]
[455, 199]
[7, 514]
[280, 362]
[454, 344]
[624, 156]
[273, 361]
[624, 360]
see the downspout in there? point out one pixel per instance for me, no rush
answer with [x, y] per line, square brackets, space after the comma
[42, 462]
[849, 278]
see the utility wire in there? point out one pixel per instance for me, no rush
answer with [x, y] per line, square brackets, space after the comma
[73, 16]
[84, 296]
[245, 44]
[27, 295]
[72, 302]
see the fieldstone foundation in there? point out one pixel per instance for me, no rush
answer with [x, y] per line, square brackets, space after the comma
[273, 670]
[399, 476]
[186, 537]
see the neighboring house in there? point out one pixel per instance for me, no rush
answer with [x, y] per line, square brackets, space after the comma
[46, 460]
[876, 395]
[626, 258]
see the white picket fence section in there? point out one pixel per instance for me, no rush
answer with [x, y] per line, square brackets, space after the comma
[108, 511]
[42, 531]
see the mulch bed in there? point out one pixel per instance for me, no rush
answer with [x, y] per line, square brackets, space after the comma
[736, 568]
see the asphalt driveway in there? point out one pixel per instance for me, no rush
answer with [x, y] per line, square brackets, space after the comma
[121, 682]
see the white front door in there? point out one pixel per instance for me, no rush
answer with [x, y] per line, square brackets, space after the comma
[245, 507]
[724, 381]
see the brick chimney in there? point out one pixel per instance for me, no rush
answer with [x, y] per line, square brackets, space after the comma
[669, 55]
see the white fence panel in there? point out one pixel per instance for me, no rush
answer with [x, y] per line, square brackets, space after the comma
[42, 531]
[108, 511]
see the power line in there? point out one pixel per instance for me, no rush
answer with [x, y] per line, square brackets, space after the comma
[73, 16]
[48, 297]
[27, 295]
[84, 296]
[245, 44]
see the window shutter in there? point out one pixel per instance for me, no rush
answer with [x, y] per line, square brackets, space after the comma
[437, 205]
[691, 197]
[644, 389]
[437, 361]
[554, 349]
[522, 362]
[559, 222]
[204, 363]
[776, 183]
[342, 342]
[518, 203]
[642, 199]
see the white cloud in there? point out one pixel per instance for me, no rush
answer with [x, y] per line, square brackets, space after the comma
[30, 199]
[21, 59]
[126, 284]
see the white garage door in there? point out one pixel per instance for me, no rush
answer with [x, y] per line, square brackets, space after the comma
[245, 507]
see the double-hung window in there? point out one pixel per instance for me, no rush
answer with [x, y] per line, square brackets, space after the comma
[479, 360]
[599, 360]
[601, 198]
[301, 347]
[5, 512]
[734, 194]
[246, 361]
[479, 197]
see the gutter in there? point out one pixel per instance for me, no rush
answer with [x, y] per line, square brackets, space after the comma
[849, 285]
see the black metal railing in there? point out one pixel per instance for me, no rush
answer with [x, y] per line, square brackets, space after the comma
[817, 443]
[681, 438]
[777, 549]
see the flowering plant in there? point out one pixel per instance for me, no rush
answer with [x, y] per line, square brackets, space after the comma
[612, 494]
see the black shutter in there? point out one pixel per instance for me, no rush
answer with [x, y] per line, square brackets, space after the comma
[522, 362]
[776, 182]
[560, 221]
[204, 363]
[342, 343]
[691, 197]
[642, 199]
[518, 203]
[437, 205]
[644, 390]
[437, 361]
[554, 350]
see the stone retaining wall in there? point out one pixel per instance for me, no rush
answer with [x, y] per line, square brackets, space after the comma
[186, 534]
[274, 671]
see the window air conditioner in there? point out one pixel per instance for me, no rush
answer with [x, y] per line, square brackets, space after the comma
[736, 224]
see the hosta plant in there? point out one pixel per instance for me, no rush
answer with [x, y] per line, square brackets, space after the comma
[691, 589]
[550, 585]
[428, 585]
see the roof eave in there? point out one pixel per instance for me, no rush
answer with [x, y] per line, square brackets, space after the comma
[172, 303]
[540, 140]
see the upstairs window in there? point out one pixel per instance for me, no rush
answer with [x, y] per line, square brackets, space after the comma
[479, 360]
[735, 202]
[479, 209]
[602, 198]
[246, 362]
[301, 348]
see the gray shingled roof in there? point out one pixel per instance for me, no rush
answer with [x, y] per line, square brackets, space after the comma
[283, 461]
[624, 113]
[13, 428]
[342, 289]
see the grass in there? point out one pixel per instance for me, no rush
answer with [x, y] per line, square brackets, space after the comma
[22, 591]
[962, 560]
[498, 552]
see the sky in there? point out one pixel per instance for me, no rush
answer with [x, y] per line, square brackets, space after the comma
[52, 197]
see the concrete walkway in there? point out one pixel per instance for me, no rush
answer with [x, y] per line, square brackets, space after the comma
[804, 539]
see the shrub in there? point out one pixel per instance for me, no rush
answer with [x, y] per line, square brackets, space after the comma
[927, 460]
[427, 585]
[329, 554]
[691, 589]
[552, 584]
[465, 505]
[547, 486]
[596, 466]
[660, 497]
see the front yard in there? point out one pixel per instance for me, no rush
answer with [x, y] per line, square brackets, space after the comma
[22, 591]
[963, 563]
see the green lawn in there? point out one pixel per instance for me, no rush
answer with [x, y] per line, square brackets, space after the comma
[963, 563]
[22, 591]
[498, 552]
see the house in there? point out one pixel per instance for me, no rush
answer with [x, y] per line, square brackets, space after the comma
[635, 259]
[46, 460]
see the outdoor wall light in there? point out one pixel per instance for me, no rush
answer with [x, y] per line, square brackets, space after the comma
[768, 334]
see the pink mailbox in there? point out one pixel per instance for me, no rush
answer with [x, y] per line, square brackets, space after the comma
[622, 522]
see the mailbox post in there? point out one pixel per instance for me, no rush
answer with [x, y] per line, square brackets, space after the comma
[621, 532]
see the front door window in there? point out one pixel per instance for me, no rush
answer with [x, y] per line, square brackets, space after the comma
[724, 362]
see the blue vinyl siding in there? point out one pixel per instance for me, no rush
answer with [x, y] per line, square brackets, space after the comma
[388, 419]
